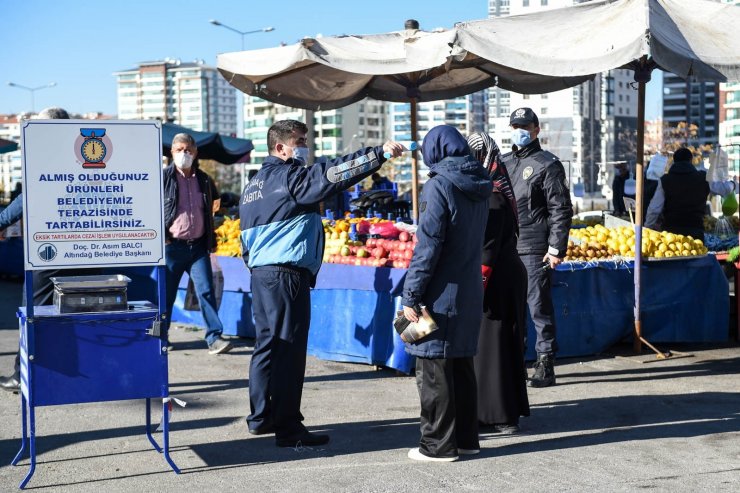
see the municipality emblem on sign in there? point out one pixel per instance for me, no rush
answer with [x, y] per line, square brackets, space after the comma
[47, 252]
[527, 172]
[93, 147]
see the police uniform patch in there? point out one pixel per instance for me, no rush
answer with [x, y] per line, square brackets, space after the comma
[422, 206]
[527, 172]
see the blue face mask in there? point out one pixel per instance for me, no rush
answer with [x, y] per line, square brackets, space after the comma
[301, 154]
[520, 137]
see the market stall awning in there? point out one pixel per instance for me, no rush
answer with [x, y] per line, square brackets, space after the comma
[211, 145]
[7, 146]
[693, 39]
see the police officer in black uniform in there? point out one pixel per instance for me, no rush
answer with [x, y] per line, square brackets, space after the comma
[545, 213]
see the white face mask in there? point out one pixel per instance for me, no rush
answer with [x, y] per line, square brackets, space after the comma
[182, 160]
[301, 154]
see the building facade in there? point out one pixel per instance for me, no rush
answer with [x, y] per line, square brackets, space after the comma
[193, 95]
[695, 103]
[334, 132]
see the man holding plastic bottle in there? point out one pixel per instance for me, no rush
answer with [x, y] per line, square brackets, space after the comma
[282, 243]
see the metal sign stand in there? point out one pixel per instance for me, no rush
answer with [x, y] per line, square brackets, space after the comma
[61, 363]
[97, 194]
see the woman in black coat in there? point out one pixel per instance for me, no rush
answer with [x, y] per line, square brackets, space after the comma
[499, 364]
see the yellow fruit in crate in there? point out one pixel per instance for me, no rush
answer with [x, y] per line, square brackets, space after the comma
[658, 254]
[669, 254]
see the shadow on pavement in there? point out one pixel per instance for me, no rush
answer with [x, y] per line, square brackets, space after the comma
[595, 421]
[654, 371]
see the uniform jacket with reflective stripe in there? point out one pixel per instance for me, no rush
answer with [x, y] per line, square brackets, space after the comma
[279, 211]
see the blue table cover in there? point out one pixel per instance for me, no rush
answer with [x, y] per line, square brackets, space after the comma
[353, 307]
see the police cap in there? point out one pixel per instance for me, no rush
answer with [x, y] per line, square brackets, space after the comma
[524, 116]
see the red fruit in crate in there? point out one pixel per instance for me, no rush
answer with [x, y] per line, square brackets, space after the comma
[379, 252]
[406, 264]
[402, 247]
[358, 261]
[408, 254]
[404, 236]
[370, 242]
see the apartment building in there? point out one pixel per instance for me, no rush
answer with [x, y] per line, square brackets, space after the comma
[191, 94]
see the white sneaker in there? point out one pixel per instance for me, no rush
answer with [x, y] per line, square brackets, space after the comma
[415, 454]
[468, 451]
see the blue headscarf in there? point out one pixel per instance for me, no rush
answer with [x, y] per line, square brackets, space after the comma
[441, 142]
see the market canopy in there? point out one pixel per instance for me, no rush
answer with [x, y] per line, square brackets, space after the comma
[211, 145]
[331, 72]
[693, 39]
[7, 146]
[404, 66]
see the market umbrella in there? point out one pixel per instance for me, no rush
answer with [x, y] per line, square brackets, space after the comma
[404, 66]
[7, 146]
[211, 145]
[694, 39]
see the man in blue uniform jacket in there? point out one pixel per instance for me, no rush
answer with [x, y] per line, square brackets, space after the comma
[283, 243]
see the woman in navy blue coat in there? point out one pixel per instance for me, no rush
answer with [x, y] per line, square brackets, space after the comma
[445, 276]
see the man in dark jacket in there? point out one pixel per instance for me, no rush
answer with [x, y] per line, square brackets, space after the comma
[681, 197]
[445, 276]
[190, 199]
[545, 213]
[283, 243]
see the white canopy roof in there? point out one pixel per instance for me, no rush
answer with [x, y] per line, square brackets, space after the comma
[690, 38]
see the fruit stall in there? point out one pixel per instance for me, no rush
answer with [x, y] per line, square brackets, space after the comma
[685, 295]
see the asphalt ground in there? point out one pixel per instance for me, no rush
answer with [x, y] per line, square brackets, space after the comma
[610, 424]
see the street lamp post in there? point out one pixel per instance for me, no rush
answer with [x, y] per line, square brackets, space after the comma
[242, 33]
[240, 124]
[32, 90]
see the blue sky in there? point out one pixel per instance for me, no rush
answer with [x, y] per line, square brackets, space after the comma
[79, 44]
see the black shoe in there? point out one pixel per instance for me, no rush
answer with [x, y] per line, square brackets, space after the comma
[544, 371]
[11, 383]
[307, 439]
[262, 430]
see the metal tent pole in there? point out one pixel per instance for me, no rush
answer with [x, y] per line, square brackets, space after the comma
[414, 165]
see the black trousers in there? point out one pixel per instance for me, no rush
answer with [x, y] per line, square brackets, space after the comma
[539, 300]
[281, 303]
[449, 408]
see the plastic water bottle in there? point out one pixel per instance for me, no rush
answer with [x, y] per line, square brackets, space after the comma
[329, 214]
[353, 232]
[408, 145]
